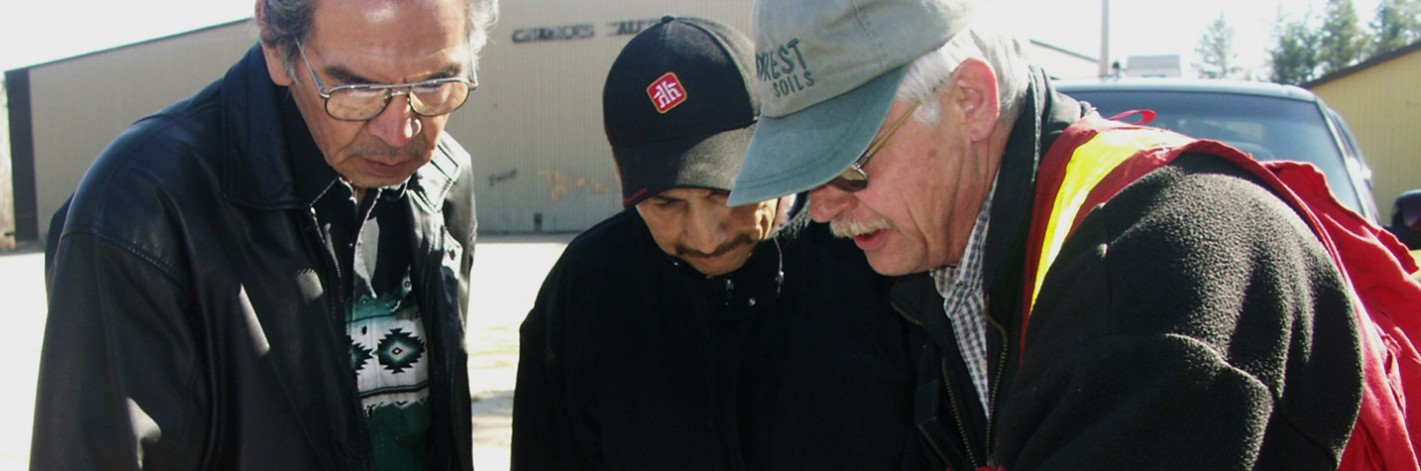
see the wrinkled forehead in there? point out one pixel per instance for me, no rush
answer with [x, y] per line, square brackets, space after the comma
[403, 36]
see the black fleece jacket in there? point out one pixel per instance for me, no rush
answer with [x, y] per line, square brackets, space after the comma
[632, 360]
[1191, 322]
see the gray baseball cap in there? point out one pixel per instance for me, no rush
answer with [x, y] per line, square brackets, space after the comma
[827, 72]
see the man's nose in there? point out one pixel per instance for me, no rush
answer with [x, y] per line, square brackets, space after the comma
[705, 231]
[397, 124]
[827, 201]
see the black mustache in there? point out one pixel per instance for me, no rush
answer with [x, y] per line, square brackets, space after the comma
[684, 251]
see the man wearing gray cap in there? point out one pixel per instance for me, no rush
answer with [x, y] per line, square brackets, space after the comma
[1186, 318]
[684, 334]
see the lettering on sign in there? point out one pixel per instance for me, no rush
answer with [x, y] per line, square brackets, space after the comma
[630, 27]
[554, 33]
[581, 31]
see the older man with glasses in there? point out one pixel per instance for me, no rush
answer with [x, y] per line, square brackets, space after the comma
[273, 273]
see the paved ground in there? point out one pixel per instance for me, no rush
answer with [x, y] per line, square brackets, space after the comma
[21, 288]
[507, 272]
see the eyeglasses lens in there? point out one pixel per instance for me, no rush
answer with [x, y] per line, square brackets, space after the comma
[851, 180]
[429, 99]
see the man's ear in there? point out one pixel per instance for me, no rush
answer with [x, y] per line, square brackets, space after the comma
[275, 60]
[974, 96]
[276, 65]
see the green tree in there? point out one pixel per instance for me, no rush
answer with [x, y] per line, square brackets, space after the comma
[1397, 25]
[1293, 60]
[1216, 55]
[1343, 40]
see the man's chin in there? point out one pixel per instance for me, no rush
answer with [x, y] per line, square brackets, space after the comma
[720, 264]
[717, 267]
[887, 266]
[386, 178]
[374, 175]
[371, 184]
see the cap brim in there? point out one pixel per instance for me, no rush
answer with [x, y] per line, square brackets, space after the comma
[709, 161]
[807, 148]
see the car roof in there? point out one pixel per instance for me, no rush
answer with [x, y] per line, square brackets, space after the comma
[1238, 87]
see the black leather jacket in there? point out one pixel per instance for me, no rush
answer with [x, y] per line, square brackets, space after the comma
[193, 318]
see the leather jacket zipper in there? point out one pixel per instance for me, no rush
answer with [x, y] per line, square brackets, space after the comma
[434, 314]
[332, 268]
[434, 330]
[329, 267]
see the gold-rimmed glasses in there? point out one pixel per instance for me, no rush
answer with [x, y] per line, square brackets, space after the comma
[854, 178]
[361, 102]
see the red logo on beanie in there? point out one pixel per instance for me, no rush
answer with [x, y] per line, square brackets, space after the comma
[666, 92]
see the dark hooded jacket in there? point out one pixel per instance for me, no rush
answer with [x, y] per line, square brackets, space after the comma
[1191, 322]
[632, 360]
[194, 321]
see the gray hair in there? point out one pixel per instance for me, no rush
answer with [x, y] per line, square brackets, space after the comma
[1006, 55]
[287, 22]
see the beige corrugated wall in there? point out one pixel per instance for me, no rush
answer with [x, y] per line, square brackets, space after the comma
[534, 126]
[1382, 106]
[81, 104]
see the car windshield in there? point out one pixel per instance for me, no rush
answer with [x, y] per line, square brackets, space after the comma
[1269, 128]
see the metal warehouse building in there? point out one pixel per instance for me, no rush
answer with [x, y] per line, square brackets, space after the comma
[7, 193]
[1382, 105]
[534, 126]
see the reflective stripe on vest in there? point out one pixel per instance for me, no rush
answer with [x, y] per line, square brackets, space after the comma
[1090, 163]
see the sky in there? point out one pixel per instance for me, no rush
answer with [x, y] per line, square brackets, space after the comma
[34, 32]
[1157, 27]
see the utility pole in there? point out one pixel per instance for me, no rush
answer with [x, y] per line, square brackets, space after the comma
[1104, 60]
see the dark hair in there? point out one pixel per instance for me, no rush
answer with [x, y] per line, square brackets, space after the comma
[284, 22]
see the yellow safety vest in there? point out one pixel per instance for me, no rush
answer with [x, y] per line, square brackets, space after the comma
[1063, 187]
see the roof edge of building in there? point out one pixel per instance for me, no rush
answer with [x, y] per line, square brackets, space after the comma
[1360, 66]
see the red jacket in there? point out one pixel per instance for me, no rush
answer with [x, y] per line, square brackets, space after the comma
[1374, 262]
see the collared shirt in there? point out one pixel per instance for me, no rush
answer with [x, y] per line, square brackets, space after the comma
[965, 303]
[369, 241]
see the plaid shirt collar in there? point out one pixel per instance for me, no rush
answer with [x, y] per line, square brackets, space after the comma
[965, 302]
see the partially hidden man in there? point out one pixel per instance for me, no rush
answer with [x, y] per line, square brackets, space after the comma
[273, 273]
[686, 334]
[1082, 316]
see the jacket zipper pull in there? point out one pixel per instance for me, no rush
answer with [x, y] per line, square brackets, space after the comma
[729, 291]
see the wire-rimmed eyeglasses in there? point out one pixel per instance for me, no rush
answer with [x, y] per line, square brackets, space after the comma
[854, 178]
[361, 102]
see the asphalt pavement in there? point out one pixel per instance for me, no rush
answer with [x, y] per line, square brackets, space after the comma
[508, 270]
